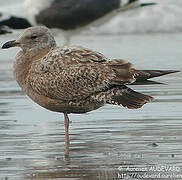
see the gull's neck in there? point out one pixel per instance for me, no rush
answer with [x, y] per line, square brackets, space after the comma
[22, 65]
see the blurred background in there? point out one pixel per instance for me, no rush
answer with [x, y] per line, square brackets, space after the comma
[161, 18]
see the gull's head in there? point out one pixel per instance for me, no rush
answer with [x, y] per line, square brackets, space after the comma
[33, 39]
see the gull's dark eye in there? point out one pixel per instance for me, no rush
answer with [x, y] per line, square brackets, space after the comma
[33, 36]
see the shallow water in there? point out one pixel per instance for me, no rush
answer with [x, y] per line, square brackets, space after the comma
[106, 143]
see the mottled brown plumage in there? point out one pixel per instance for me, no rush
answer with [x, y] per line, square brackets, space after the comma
[73, 79]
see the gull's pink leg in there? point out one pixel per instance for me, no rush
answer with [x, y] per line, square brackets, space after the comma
[66, 123]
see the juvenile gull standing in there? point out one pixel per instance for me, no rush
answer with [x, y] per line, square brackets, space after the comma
[73, 79]
[72, 16]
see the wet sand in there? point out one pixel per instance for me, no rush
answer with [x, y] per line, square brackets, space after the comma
[106, 143]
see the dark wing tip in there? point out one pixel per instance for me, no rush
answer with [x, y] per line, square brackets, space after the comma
[142, 75]
[147, 4]
[147, 82]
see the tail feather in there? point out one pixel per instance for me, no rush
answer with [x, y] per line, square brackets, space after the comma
[128, 98]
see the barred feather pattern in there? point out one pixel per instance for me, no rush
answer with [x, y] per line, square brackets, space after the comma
[123, 96]
[75, 73]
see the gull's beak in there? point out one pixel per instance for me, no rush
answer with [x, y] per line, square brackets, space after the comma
[10, 44]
